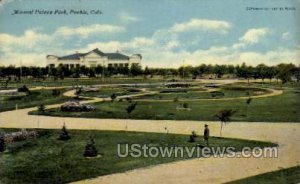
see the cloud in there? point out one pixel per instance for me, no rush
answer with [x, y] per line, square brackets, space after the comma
[29, 39]
[162, 49]
[252, 36]
[85, 31]
[201, 25]
[111, 46]
[127, 17]
[3, 2]
[286, 36]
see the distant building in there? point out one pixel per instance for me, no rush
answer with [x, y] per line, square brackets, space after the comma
[94, 58]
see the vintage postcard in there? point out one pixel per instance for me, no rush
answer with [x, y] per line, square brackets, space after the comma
[147, 92]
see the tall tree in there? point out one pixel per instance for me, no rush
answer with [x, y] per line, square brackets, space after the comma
[225, 117]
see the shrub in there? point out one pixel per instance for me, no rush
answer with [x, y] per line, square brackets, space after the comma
[248, 101]
[55, 92]
[131, 107]
[113, 97]
[2, 143]
[76, 107]
[185, 105]
[41, 108]
[129, 99]
[23, 89]
[90, 149]
[20, 136]
[64, 135]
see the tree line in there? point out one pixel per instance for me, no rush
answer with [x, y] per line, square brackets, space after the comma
[284, 72]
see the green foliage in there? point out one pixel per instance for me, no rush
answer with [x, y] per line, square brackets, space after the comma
[41, 108]
[64, 134]
[23, 89]
[2, 143]
[249, 100]
[185, 105]
[48, 160]
[131, 107]
[55, 92]
[113, 97]
[90, 148]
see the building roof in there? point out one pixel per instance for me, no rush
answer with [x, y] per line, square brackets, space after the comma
[72, 56]
[116, 56]
[112, 56]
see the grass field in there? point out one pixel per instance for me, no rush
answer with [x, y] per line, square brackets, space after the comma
[49, 160]
[32, 99]
[224, 92]
[79, 81]
[281, 108]
[290, 175]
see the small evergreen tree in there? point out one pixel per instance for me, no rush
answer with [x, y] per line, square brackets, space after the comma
[41, 108]
[90, 149]
[64, 134]
[131, 107]
[113, 97]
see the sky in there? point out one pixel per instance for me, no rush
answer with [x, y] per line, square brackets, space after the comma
[167, 33]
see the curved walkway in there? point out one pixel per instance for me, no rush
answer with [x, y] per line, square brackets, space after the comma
[200, 170]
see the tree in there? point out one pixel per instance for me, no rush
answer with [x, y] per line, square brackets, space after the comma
[262, 71]
[285, 72]
[244, 72]
[23, 89]
[41, 108]
[135, 70]
[78, 92]
[7, 81]
[64, 134]
[92, 73]
[219, 70]
[113, 97]
[271, 73]
[225, 117]
[55, 92]
[131, 108]
[90, 148]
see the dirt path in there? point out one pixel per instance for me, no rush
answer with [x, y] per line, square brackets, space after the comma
[202, 170]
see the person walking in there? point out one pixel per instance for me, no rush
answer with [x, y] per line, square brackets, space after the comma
[206, 134]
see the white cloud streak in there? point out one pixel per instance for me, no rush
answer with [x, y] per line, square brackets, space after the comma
[201, 25]
[85, 31]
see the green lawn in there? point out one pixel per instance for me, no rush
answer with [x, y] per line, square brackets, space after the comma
[290, 175]
[106, 92]
[282, 108]
[225, 92]
[32, 99]
[80, 81]
[49, 160]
